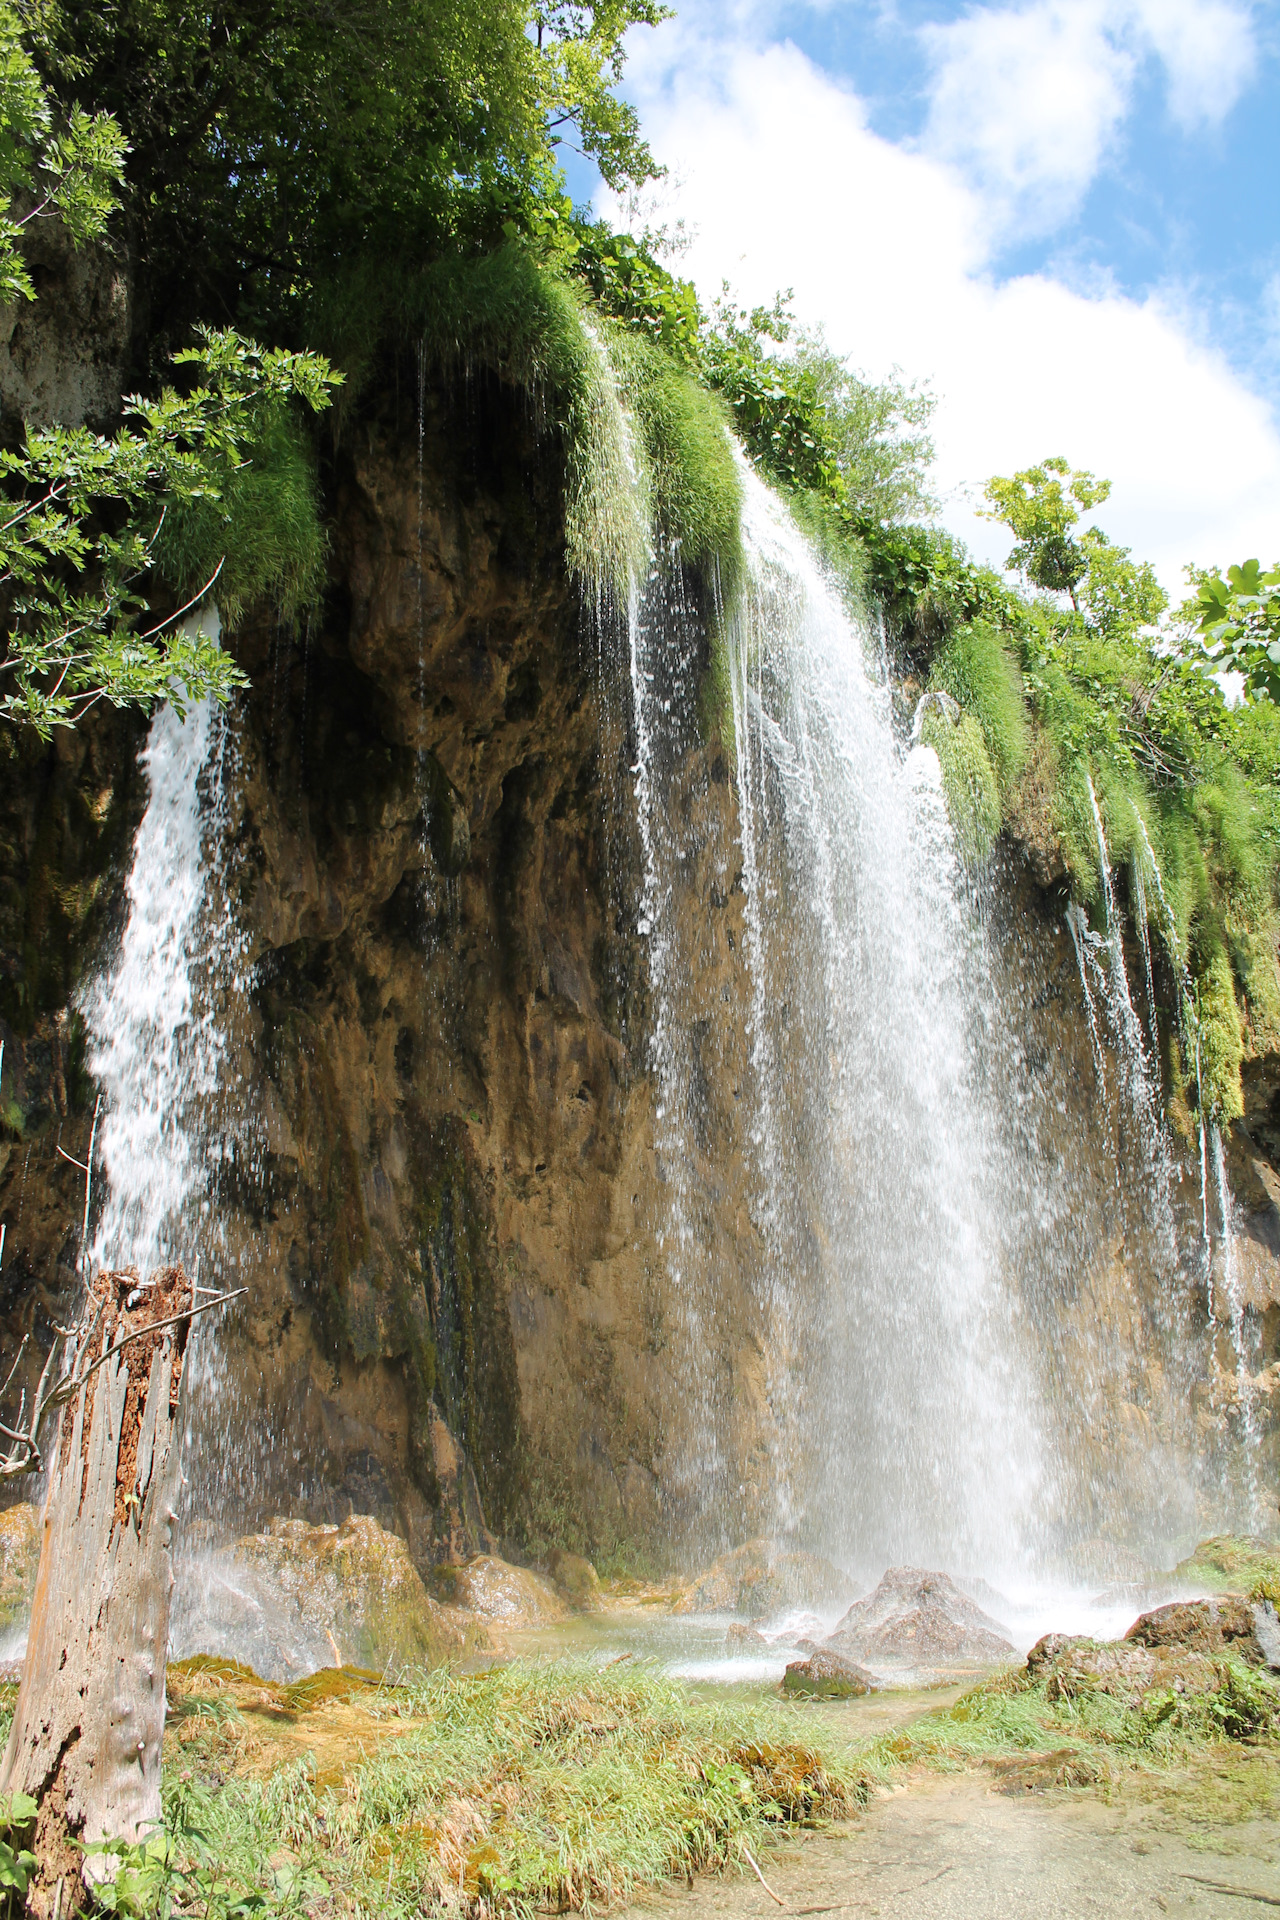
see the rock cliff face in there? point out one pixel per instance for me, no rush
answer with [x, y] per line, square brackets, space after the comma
[443, 1194]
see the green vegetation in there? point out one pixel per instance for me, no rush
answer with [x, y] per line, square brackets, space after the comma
[1234, 1564]
[525, 1788]
[572, 1786]
[87, 523]
[191, 478]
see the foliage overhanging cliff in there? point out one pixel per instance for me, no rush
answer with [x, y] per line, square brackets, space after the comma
[380, 183]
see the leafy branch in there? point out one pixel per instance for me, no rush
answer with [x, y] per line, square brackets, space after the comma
[84, 518]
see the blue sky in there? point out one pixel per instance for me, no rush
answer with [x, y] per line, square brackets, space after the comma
[1063, 214]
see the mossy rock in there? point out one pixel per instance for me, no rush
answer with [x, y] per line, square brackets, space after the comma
[577, 1580]
[350, 1592]
[508, 1596]
[1234, 1563]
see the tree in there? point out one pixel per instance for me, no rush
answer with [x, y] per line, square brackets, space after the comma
[1238, 624]
[67, 168]
[292, 163]
[85, 530]
[1040, 505]
[93, 524]
[83, 1755]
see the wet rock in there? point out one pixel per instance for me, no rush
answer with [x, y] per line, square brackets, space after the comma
[19, 1558]
[506, 1595]
[1071, 1668]
[740, 1636]
[298, 1597]
[760, 1579]
[922, 1617]
[1226, 1625]
[576, 1580]
[1232, 1563]
[828, 1676]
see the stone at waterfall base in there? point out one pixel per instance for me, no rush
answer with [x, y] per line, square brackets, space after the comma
[503, 1595]
[1073, 1669]
[760, 1579]
[1247, 1628]
[576, 1581]
[297, 1597]
[921, 1617]
[828, 1676]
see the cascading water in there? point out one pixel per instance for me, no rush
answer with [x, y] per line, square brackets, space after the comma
[157, 1019]
[907, 1423]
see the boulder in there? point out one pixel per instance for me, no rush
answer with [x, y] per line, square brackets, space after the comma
[505, 1595]
[1233, 1563]
[1124, 1669]
[1224, 1625]
[576, 1580]
[298, 1597]
[922, 1617]
[760, 1579]
[828, 1676]
[742, 1636]
[19, 1558]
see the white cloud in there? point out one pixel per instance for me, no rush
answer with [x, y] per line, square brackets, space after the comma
[1207, 47]
[1030, 100]
[785, 185]
[1027, 101]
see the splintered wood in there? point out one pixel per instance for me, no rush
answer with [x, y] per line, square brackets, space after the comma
[86, 1736]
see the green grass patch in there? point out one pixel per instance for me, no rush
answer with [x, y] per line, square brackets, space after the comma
[517, 1790]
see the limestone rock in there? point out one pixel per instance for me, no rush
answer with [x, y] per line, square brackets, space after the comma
[1226, 1625]
[298, 1597]
[828, 1676]
[19, 1558]
[741, 1636]
[576, 1580]
[922, 1617]
[1125, 1670]
[759, 1579]
[508, 1596]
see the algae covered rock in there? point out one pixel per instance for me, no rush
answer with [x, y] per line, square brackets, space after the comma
[828, 1676]
[922, 1617]
[506, 1595]
[576, 1580]
[19, 1558]
[299, 1597]
[760, 1579]
[1226, 1625]
[1233, 1563]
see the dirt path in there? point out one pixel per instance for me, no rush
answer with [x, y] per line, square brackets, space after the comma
[958, 1848]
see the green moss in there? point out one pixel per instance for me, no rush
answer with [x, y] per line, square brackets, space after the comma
[1232, 1563]
[264, 535]
[1221, 1042]
[976, 668]
[968, 781]
[694, 482]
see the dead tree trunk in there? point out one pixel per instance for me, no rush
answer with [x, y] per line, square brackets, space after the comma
[86, 1735]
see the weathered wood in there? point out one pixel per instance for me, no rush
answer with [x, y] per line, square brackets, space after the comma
[86, 1735]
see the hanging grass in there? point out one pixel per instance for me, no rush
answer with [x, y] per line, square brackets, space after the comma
[969, 782]
[976, 668]
[263, 536]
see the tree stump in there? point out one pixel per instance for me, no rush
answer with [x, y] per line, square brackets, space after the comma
[86, 1735]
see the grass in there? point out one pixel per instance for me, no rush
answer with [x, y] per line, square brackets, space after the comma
[525, 1788]
[569, 1786]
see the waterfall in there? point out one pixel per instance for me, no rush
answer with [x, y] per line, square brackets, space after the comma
[907, 1424]
[157, 1017]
